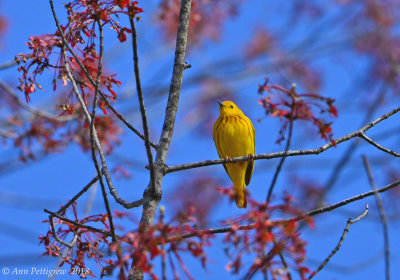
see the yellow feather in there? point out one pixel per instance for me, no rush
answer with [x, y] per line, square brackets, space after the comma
[234, 136]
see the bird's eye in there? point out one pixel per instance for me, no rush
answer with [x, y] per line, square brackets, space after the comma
[232, 106]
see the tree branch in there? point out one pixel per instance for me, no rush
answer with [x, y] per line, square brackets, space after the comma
[93, 129]
[346, 230]
[316, 151]
[62, 209]
[53, 231]
[8, 64]
[375, 144]
[382, 215]
[279, 167]
[8, 134]
[152, 196]
[350, 150]
[83, 68]
[297, 218]
[140, 97]
[78, 224]
[265, 259]
[285, 266]
[104, 169]
[33, 111]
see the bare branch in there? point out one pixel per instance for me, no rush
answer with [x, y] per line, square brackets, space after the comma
[78, 224]
[53, 230]
[152, 196]
[382, 215]
[285, 266]
[33, 111]
[350, 150]
[104, 169]
[62, 209]
[8, 64]
[141, 101]
[316, 151]
[346, 230]
[90, 78]
[265, 259]
[93, 129]
[297, 218]
[375, 144]
[279, 167]
[8, 134]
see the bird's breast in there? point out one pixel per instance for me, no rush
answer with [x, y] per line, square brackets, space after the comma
[235, 136]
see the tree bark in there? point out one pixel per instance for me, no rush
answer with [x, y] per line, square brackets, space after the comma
[152, 196]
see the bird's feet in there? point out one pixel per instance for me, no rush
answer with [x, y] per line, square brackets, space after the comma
[228, 159]
[251, 157]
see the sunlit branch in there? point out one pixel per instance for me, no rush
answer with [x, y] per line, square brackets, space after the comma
[62, 209]
[141, 101]
[349, 152]
[346, 230]
[285, 266]
[53, 230]
[78, 224]
[316, 151]
[297, 218]
[152, 196]
[33, 111]
[382, 215]
[104, 169]
[265, 259]
[279, 167]
[8, 64]
[375, 144]
[83, 68]
[93, 129]
[8, 134]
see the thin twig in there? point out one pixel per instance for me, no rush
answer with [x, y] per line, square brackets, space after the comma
[78, 224]
[319, 150]
[93, 129]
[346, 230]
[8, 134]
[382, 215]
[279, 167]
[8, 64]
[263, 262]
[163, 264]
[375, 144]
[283, 221]
[151, 196]
[285, 266]
[33, 111]
[89, 77]
[141, 101]
[163, 258]
[62, 209]
[104, 169]
[53, 230]
[349, 152]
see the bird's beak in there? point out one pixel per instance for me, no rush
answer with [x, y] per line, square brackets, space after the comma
[220, 104]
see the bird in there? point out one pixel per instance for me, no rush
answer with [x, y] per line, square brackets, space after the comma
[234, 136]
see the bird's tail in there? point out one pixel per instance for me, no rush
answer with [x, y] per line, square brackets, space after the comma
[240, 196]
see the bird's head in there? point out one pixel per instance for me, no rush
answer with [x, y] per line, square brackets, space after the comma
[229, 108]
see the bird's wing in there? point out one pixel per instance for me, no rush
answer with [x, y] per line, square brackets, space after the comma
[250, 166]
[216, 141]
[223, 163]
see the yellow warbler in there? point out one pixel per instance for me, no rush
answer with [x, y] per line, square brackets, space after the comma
[234, 137]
